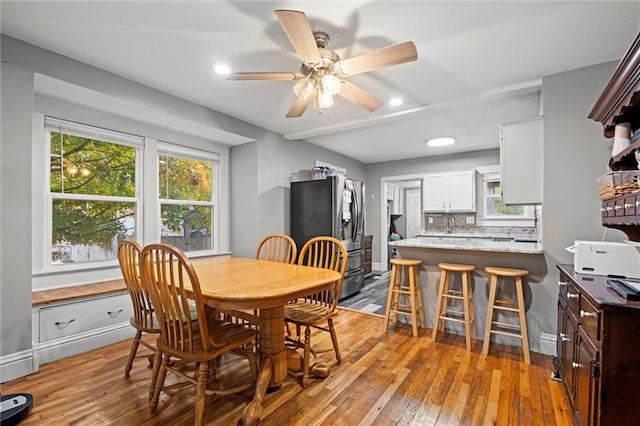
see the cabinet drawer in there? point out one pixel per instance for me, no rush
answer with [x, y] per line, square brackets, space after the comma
[368, 242]
[65, 320]
[590, 319]
[367, 255]
[618, 207]
[630, 206]
[563, 286]
[573, 298]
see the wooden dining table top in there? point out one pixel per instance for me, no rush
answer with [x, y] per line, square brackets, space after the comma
[242, 283]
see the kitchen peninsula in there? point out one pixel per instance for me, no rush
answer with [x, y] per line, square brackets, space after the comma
[480, 252]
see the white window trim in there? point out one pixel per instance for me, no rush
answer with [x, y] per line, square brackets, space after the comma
[166, 148]
[526, 220]
[51, 125]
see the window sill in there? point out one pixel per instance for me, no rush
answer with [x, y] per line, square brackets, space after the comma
[506, 222]
[110, 264]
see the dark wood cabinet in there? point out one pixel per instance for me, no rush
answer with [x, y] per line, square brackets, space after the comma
[598, 350]
[368, 243]
[620, 103]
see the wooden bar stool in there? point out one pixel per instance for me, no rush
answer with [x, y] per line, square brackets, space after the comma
[508, 306]
[467, 314]
[410, 289]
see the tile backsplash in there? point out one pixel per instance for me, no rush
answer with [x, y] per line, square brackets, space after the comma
[457, 224]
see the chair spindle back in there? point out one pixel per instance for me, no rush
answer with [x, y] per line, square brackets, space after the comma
[277, 248]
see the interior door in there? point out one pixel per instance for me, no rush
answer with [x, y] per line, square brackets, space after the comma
[414, 212]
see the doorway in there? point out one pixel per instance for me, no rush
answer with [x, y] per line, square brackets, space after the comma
[401, 211]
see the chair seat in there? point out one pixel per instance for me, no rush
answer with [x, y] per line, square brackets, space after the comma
[226, 334]
[306, 313]
[154, 329]
[456, 267]
[506, 272]
[406, 262]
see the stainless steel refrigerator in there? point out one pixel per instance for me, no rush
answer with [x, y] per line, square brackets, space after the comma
[335, 207]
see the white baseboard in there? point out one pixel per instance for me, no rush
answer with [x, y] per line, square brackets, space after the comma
[548, 344]
[27, 362]
[378, 266]
[53, 350]
[16, 365]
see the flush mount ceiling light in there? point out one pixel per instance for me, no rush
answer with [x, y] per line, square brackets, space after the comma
[322, 74]
[395, 102]
[222, 69]
[442, 141]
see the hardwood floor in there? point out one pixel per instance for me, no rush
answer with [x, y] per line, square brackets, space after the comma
[384, 379]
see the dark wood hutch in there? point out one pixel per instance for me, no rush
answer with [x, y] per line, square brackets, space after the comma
[620, 103]
[598, 340]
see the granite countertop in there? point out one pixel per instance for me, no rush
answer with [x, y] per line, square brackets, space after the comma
[458, 242]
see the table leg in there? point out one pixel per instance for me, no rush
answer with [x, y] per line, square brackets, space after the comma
[273, 361]
[272, 343]
[251, 414]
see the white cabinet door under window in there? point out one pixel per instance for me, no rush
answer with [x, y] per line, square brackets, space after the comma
[434, 193]
[451, 192]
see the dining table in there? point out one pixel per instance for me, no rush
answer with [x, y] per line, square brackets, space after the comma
[230, 283]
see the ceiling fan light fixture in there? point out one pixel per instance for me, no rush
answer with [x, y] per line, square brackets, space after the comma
[441, 141]
[330, 84]
[395, 102]
[303, 89]
[324, 100]
[222, 69]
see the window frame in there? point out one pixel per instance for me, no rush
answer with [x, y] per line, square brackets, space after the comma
[176, 150]
[53, 124]
[527, 219]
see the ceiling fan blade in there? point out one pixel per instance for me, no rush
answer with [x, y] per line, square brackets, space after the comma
[380, 58]
[353, 93]
[299, 106]
[237, 76]
[296, 25]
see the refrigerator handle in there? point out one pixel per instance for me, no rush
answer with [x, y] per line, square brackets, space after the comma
[356, 223]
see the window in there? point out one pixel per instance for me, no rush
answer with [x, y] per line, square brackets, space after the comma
[93, 195]
[187, 181]
[495, 210]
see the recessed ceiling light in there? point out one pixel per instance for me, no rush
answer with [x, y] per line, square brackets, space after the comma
[395, 101]
[443, 141]
[222, 69]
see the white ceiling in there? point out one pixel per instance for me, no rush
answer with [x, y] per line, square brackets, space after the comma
[479, 63]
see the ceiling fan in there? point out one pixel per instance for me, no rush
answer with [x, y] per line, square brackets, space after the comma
[322, 71]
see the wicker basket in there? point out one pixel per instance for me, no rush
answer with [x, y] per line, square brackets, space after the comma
[615, 184]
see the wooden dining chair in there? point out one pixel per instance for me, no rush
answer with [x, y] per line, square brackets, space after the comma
[142, 319]
[277, 248]
[171, 282]
[314, 310]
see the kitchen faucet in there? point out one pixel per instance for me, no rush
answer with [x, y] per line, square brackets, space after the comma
[450, 221]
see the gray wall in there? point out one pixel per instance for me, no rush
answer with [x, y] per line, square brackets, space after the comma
[575, 155]
[422, 165]
[20, 62]
[261, 175]
[15, 203]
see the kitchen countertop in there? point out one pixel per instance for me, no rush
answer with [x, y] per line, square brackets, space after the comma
[457, 242]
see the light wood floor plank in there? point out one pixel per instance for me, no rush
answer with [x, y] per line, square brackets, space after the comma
[385, 378]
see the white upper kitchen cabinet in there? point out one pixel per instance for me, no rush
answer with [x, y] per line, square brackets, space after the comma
[394, 197]
[449, 192]
[521, 162]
